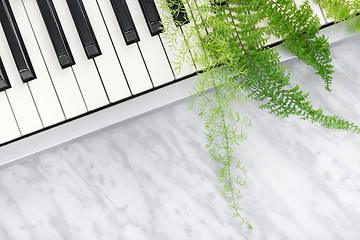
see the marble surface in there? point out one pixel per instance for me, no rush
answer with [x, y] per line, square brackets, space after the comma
[151, 178]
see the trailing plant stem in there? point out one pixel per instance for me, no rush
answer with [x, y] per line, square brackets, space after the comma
[227, 164]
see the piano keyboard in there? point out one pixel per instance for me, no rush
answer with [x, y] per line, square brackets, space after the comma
[72, 67]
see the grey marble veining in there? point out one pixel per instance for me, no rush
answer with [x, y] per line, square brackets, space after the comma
[151, 178]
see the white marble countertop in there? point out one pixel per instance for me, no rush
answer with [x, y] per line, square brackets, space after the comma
[150, 178]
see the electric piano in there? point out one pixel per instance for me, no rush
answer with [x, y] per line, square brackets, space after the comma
[69, 68]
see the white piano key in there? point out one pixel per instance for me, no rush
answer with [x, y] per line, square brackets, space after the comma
[63, 79]
[108, 64]
[130, 56]
[316, 9]
[272, 39]
[325, 13]
[151, 48]
[85, 70]
[195, 45]
[41, 88]
[8, 127]
[171, 49]
[19, 94]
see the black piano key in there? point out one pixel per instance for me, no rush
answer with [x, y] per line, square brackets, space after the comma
[16, 43]
[56, 33]
[4, 80]
[125, 21]
[178, 12]
[84, 28]
[152, 16]
[218, 3]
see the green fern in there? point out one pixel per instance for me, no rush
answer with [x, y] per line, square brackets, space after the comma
[342, 10]
[299, 27]
[227, 43]
[265, 79]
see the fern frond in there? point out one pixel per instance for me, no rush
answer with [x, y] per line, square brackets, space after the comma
[342, 10]
[299, 27]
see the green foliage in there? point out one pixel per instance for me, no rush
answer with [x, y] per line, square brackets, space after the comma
[291, 23]
[341, 10]
[227, 41]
